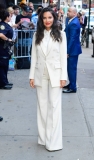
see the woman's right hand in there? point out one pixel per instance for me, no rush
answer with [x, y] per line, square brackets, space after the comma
[32, 83]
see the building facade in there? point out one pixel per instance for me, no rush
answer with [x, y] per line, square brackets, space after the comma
[36, 2]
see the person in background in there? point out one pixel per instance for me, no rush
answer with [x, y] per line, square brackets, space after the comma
[5, 38]
[7, 30]
[34, 18]
[54, 7]
[48, 73]
[38, 12]
[12, 22]
[16, 12]
[65, 8]
[30, 4]
[30, 12]
[60, 19]
[24, 40]
[84, 19]
[22, 4]
[23, 17]
[79, 15]
[33, 27]
[73, 49]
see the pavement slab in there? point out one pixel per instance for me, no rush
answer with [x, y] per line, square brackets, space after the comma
[19, 110]
[26, 148]
[73, 116]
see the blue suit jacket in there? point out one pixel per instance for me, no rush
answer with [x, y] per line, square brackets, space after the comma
[73, 37]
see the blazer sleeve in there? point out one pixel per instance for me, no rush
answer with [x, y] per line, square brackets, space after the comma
[33, 58]
[63, 53]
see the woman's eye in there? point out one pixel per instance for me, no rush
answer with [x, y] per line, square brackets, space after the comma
[50, 17]
[47, 18]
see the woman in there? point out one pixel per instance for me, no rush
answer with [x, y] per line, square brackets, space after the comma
[49, 74]
[12, 22]
[7, 31]
[79, 15]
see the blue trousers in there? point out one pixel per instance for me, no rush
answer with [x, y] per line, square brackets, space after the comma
[72, 71]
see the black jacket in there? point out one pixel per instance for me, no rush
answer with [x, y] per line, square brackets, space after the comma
[85, 22]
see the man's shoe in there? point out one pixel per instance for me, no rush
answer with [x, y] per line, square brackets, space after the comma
[6, 87]
[66, 87]
[1, 118]
[69, 91]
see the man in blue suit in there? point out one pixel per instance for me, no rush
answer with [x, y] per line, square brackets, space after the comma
[73, 49]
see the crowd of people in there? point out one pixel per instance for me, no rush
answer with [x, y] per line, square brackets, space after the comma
[55, 52]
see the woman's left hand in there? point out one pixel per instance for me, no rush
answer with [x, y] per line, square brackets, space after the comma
[62, 83]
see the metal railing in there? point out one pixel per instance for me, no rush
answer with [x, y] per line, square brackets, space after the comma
[23, 43]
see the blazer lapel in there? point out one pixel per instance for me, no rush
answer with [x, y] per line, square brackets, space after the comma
[49, 46]
[43, 48]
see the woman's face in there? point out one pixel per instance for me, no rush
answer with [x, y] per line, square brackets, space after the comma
[48, 20]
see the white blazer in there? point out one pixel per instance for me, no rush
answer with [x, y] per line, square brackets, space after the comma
[55, 59]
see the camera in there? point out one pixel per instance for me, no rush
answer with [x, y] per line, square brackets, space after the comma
[8, 45]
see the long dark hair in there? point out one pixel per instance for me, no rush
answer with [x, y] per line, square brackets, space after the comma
[55, 32]
[4, 14]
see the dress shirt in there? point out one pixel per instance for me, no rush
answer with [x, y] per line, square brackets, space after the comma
[83, 17]
[71, 19]
[45, 42]
[46, 39]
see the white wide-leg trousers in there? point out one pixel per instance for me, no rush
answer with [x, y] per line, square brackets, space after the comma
[49, 117]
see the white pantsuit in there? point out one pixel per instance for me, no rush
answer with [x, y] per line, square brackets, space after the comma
[48, 67]
[49, 115]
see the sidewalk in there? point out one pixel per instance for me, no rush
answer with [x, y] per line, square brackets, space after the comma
[18, 130]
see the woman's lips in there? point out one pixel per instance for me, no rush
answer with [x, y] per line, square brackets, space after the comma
[47, 23]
